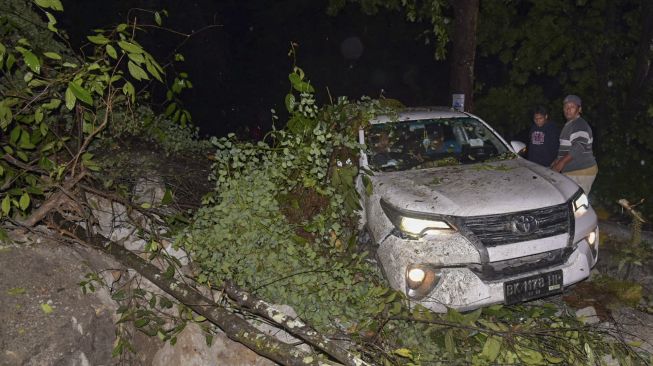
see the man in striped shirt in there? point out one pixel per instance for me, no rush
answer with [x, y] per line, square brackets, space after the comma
[575, 157]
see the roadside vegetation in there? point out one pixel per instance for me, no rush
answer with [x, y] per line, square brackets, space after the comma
[280, 223]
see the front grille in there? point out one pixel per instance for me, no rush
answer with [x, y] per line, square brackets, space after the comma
[493, 230]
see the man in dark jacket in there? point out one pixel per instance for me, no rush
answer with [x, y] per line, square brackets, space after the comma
[543, 139]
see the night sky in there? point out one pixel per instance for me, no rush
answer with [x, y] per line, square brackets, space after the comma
[239, 68]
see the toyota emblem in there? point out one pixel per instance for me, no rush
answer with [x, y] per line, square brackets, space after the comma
[524, 224]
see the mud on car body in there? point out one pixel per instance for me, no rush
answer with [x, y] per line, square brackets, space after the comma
[461, 221]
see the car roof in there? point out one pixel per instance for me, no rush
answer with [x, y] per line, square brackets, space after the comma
[408, 114]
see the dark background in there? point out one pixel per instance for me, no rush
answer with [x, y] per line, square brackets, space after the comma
[239, 67]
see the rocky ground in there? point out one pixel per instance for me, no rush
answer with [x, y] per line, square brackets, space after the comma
[45, 319]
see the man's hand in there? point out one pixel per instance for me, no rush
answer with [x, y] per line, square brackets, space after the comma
[560, 163]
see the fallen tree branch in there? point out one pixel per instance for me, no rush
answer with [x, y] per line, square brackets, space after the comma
[296, 327]
[631, 209]
[54, 201]
[235, 327]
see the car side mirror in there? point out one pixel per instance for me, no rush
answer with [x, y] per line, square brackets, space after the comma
[518, 146]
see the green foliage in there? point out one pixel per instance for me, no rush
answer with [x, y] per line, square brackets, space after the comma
[142, 310]
[54, 104]
[252, 234]
[173, 137]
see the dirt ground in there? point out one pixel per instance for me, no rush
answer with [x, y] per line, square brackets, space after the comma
[44, 318]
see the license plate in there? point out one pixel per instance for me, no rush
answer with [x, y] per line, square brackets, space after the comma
[532, 287]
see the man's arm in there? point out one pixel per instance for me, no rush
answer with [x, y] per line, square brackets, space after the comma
[560, 163]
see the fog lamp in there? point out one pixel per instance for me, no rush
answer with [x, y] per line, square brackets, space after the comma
[420, 280]
[416, 275]
[593, 241]
[591, 238]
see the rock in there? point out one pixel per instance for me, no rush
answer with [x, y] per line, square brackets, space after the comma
[588, 315]
[191, 350]
[149, 190]
[45, 319]
[279, 333]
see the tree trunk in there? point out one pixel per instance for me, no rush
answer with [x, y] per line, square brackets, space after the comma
[464, 49]
[603, 91]
[642, 75]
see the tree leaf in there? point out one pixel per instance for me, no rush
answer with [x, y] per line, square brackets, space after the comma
[51, 22]
[303, 87]
[16, 291]
[22, 156]
[32, 61]
[52, 4]
[137, 72]
[167, 197]
[52, 55]
[404, 352]
[449, 343]
[52, 104]
[130, 47]
[56, 5]
[38, 115]
[25, 142]
[70, 98]
[111, 51]
[24, 201]
[6, 205]
[294, 78]
[81, 93]
[128, 89]
[152, 70]
[157, 18]
[98, 39]
[46, 308]
[290, 102]
[170, 109]
[140, 323]
[491, 348]
[44, 129]
[136, 57]
[14, 135]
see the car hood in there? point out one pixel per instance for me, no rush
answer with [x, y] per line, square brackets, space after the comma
[475, 189]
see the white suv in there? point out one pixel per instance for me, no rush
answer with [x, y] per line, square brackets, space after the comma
[461, 221]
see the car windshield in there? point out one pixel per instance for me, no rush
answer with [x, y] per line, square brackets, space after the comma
[428, 143]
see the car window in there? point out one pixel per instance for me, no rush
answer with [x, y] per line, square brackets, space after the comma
[427, 143]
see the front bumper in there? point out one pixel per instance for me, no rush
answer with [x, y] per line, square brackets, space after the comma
[460, 286]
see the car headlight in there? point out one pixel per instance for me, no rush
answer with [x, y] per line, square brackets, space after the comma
[416, 224]
[421, 280]
[581, 204]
